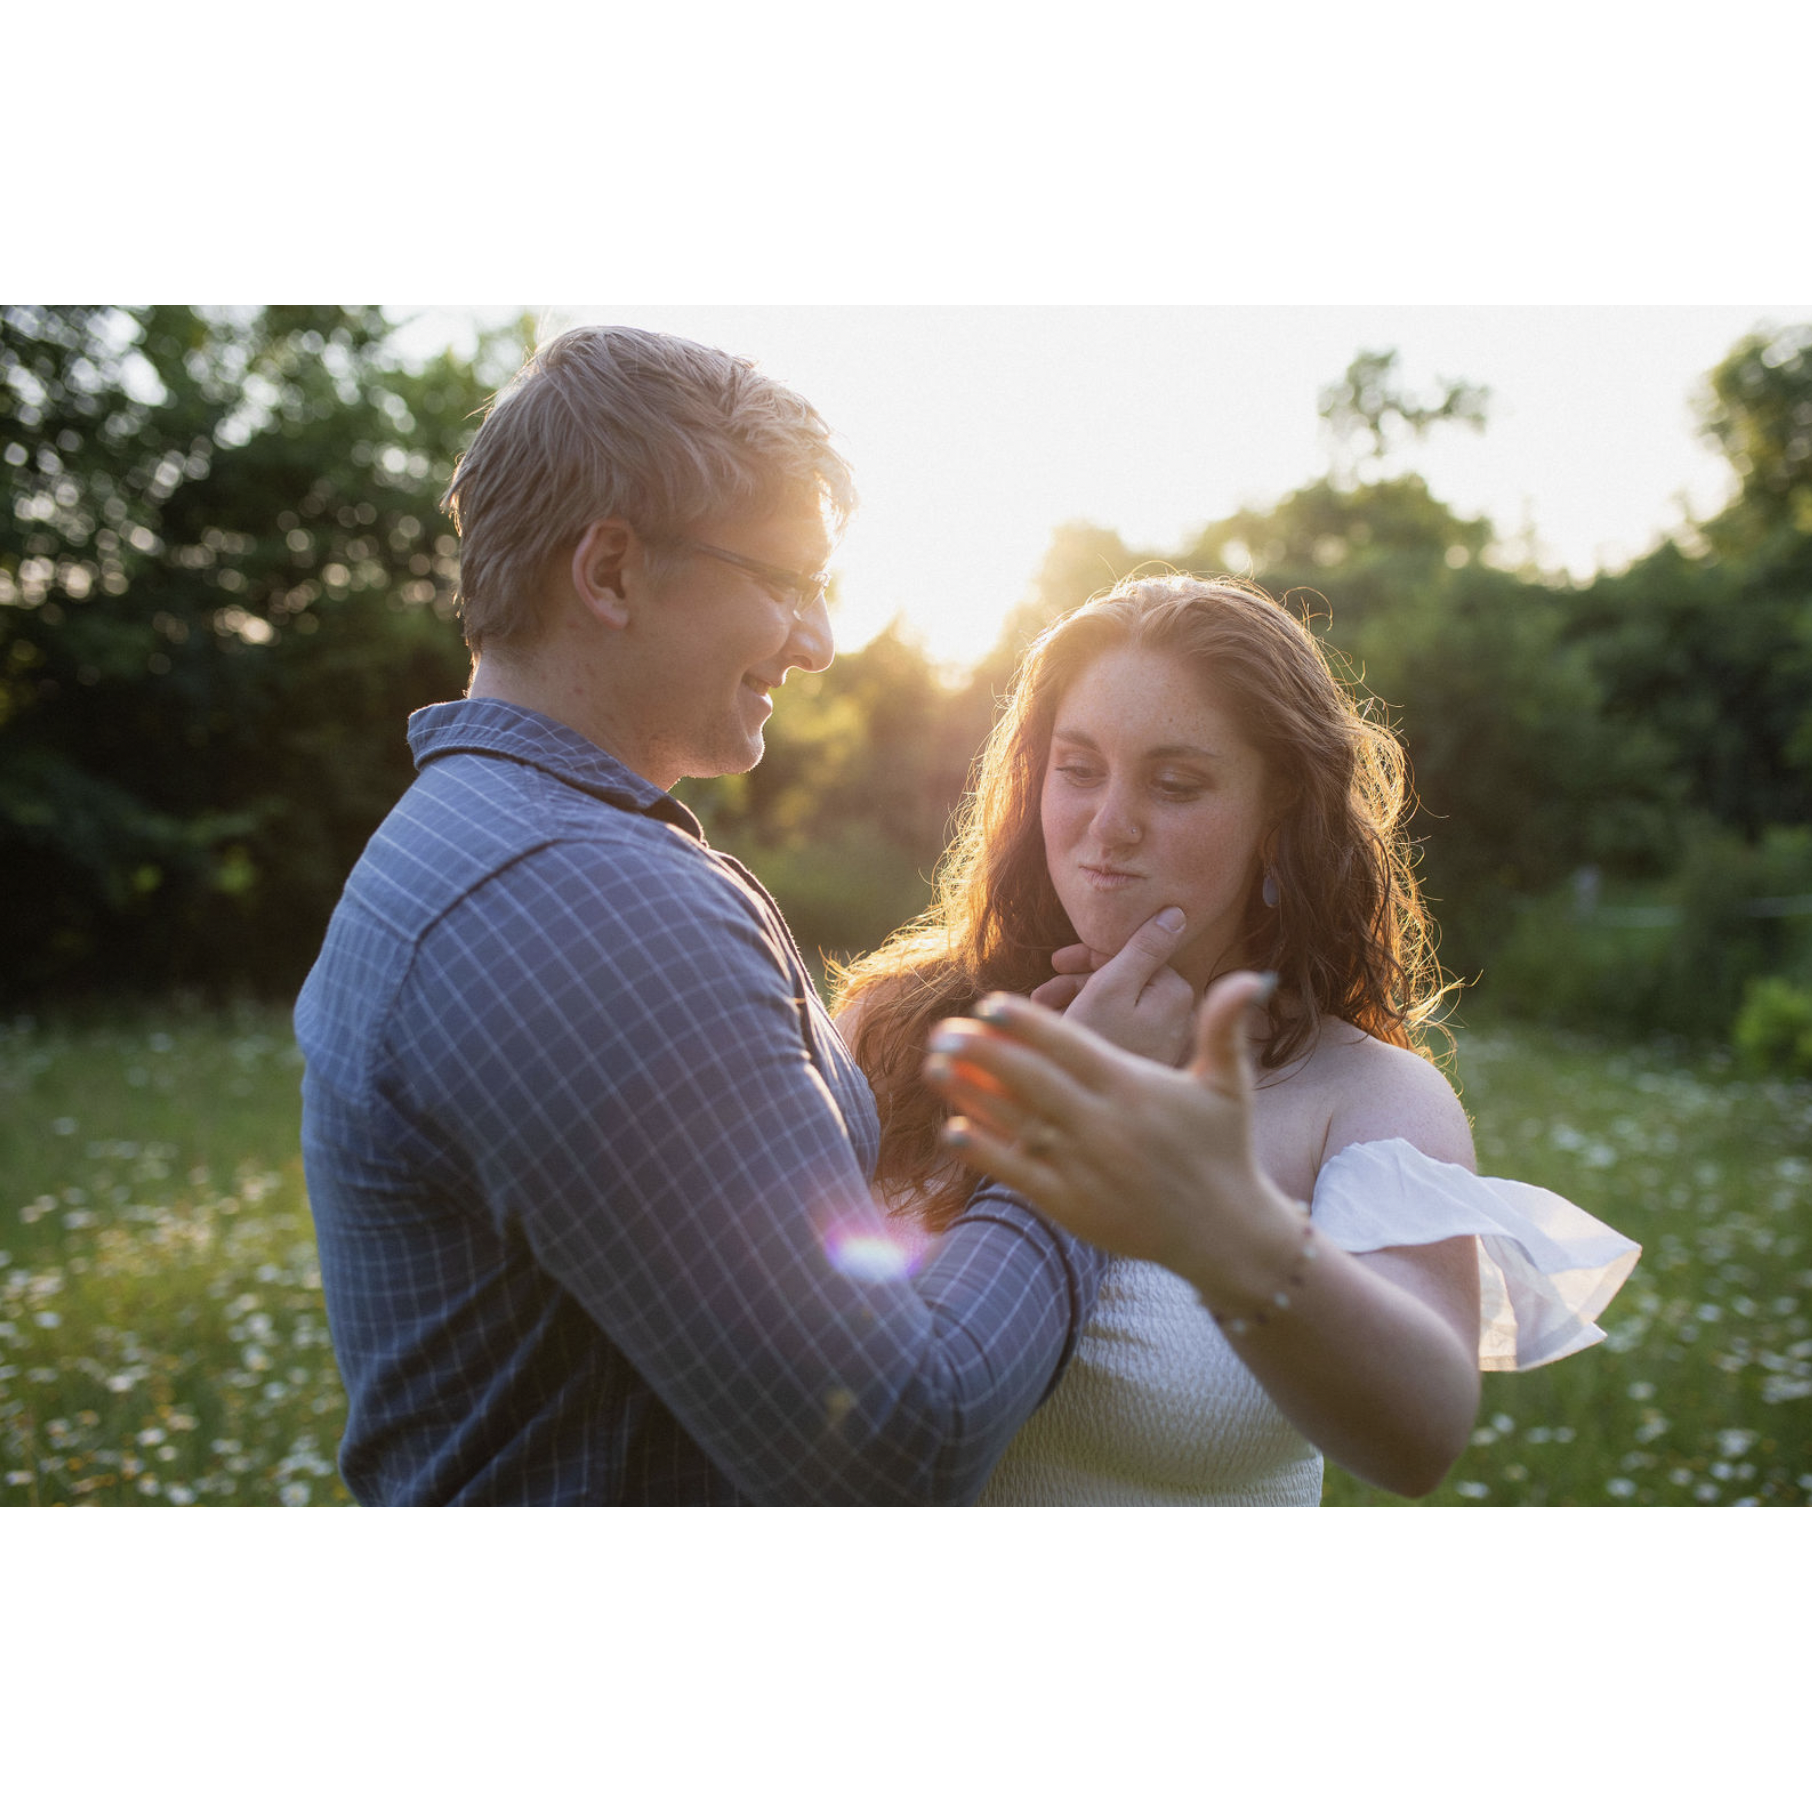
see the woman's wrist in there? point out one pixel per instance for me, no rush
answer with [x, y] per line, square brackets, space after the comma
[1263, 1278]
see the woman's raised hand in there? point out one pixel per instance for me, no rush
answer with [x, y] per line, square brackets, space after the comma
[1132, 1155]
[1134, 998]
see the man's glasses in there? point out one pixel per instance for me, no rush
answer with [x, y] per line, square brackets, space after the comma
[805, 589]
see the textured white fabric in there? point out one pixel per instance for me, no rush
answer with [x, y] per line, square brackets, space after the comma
[1157, 1408]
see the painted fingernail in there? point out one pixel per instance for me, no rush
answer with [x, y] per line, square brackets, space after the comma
[993, 1009]
[1170, 919]
[1267, 986]
[945, 1039]
[939, 1069]
[956, 1133]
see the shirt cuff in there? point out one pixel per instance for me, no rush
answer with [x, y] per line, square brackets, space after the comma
[1083, 1266]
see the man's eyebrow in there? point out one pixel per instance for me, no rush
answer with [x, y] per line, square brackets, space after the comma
[1166, 751]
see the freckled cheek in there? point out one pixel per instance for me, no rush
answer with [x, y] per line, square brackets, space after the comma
[1207, 864]
[1060, 835]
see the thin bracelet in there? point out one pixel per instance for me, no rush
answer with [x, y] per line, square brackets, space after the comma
[1280, 1298]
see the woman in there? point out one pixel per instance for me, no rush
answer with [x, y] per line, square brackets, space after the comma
[1180, 792]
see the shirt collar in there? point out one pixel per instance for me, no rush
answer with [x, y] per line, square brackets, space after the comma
[490, 726]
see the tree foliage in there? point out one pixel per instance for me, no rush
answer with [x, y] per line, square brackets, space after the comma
[224, 582]
[1708, 646]
[1758, 409]
[1369, 402]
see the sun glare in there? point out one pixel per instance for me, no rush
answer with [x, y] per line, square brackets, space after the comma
[977, 432]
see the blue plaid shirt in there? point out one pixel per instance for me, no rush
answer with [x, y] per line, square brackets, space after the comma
[589, 1169]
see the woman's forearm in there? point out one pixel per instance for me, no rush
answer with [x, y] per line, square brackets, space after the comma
[1377, 1377]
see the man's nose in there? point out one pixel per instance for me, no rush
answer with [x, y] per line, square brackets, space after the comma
[811, 646]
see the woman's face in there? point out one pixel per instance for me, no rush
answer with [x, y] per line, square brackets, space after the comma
[1152, 798]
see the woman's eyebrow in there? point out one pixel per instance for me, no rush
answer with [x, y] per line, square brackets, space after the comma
[1168, 751]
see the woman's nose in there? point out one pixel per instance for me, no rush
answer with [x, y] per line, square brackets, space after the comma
[1117, 825]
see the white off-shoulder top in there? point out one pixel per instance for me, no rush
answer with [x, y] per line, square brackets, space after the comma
[1157, 1408]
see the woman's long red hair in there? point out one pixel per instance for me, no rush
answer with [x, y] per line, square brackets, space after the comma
[1348, 937]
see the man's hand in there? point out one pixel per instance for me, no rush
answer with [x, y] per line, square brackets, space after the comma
[1133, 999]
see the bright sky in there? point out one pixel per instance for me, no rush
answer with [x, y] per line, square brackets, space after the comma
[975, 431]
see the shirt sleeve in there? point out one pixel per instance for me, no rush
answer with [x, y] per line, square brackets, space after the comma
[619, 1051]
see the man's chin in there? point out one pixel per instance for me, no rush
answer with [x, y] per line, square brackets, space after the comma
[740, 759]
[721, 763]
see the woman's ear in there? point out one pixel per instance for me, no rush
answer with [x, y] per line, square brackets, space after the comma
[1281, 801]
[1270, 846]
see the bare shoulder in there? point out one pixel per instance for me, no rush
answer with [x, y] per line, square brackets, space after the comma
[1382, 1091]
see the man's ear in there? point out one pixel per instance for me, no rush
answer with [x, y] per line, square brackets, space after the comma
[606, 552]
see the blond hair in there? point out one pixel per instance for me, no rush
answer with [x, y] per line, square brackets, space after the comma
[617, 421]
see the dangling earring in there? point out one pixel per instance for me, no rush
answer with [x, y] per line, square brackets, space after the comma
[1268, 892]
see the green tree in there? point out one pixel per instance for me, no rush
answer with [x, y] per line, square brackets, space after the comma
[1520, 777]
[1370, 402]
[1371, 546]
[1758, 409]
[223, 584]
[1709, 644]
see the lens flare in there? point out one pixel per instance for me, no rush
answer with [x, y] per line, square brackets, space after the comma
[869, 1256]
[873, 1247]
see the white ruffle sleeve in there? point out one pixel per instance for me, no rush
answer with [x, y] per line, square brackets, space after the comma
[1546, 1268]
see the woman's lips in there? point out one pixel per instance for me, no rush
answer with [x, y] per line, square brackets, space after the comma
[1108, 880]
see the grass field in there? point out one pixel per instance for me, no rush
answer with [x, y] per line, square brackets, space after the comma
[161, 1326]
[163, 1340]
[1702, 1391]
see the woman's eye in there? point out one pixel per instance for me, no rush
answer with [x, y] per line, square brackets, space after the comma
[1175, 787]
[1076, 774]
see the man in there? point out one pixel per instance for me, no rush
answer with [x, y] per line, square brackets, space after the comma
[588, 1162]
